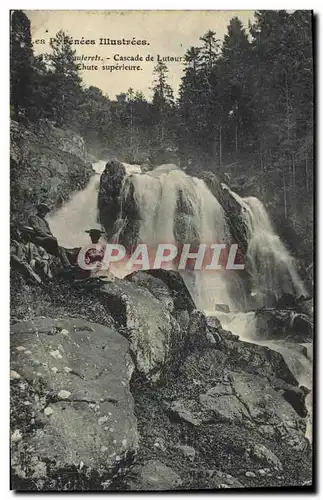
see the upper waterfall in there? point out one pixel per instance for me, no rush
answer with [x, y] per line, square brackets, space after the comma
[172, 206]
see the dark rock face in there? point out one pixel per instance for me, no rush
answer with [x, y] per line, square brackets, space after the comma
[55, 156]
[109, 193]
[232, 210]
[175, 283]
[284, 323]
[118, 217]
[73, 426]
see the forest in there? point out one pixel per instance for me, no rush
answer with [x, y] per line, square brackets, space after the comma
[244, 111]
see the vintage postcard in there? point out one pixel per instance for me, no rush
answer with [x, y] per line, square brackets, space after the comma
[161, 250]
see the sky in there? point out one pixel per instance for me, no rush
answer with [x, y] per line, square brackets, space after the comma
[167, 33]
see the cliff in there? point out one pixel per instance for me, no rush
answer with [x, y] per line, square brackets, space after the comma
[45, 164]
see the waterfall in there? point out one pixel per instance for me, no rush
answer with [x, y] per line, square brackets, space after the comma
[272, 267]
[78, 214]
[177, 208]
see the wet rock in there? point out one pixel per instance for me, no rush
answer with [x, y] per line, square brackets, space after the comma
[250, 474]
[222, 307]
[126, 223]
[263, 454]
[284, 323]
[233, 210]
[61, 438]
[108, 198]
[294, 395]
[153, 476]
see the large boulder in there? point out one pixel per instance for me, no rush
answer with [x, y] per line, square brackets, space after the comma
[72, 421]
[109, 192]
[153, 333]
[258, 359]
[154, 311]
[155, 285]
[225, 392]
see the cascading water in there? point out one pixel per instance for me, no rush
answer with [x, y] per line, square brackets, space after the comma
[175, 207]
[272, 268]
[80, 213]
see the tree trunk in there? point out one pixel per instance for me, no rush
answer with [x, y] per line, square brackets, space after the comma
[306, 171]
[287, 107]
[285, 195]
[131, 124]
[261, 162]
[220, 145]
[294, 170]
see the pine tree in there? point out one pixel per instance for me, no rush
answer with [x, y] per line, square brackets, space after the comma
[21, 66]
[210, 50]
[236, 76]
[163, 98]
[64, 81]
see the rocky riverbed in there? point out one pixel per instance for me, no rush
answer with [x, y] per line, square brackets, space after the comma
[127, 387]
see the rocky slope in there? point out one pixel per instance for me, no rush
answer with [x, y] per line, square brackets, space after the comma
[45, 163]
[128, 388]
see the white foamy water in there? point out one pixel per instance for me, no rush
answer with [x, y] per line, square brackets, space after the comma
[79, 214]
[177, 208]
[272, 268]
